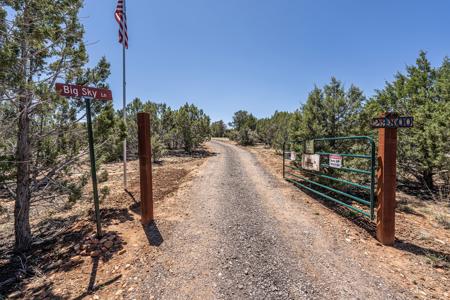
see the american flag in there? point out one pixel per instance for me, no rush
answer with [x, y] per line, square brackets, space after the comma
[121, 19]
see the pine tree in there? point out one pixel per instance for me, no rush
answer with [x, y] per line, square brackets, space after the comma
[193, 126]
[218, 129]
[423, 92]
[40, 43]
[244, 125]
[328, 112]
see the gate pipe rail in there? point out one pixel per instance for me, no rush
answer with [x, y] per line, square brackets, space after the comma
[360, 200]
[365, 187]
[352, 170]
[370, 188]
[328, 197]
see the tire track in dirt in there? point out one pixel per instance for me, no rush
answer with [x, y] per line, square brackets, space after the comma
[242, 238]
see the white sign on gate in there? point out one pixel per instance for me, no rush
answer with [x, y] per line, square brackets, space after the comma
[335, 161]
[311, 162]
[293, 155]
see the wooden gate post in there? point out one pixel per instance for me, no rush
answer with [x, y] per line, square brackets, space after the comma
[386, 184]
[145, 167]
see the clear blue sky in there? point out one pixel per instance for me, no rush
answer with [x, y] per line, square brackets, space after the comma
[261, 55]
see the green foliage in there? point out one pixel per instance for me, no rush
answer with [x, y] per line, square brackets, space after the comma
[41, 42]
[158, 148]
[103, 176]
[109, 132]
[192, 126]
[75, 191]
[328, 111]
[218, 129]
[104, 192]
[424, 93]
[244, 125]
[274, 131]
[243, 119]
[185, 128]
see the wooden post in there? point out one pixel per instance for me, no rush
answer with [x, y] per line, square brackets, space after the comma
[387, 183]
[145, 167]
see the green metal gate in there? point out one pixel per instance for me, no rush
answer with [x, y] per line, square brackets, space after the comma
[340, 169]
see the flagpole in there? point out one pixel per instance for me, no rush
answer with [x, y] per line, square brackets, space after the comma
[124, 109]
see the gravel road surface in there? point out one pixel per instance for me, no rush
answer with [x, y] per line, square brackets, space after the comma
[241, 237]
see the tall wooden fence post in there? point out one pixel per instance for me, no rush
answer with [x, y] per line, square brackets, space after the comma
[145, 167]
[386, 185]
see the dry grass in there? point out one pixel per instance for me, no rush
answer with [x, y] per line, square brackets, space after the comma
[443, 220]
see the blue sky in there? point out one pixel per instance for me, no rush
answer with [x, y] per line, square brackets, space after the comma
[261, 55]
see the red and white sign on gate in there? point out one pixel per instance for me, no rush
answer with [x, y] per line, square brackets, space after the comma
[70, 90]
[335, 161]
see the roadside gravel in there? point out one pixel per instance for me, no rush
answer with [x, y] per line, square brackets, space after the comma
[241, 237]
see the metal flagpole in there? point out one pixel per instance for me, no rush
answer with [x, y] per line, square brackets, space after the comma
[124, 106]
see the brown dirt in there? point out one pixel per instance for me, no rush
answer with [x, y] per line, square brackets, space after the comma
[420, 259]
[54, 270]
[336, 252]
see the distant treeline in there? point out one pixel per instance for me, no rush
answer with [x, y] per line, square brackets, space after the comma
[184, 128]
[332, 110]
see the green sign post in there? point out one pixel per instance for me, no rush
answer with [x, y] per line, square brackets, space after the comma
[93, 167]
[88, 93]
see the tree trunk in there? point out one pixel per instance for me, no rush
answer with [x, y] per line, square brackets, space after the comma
[22, 228]
[23, 195]
[428, 178]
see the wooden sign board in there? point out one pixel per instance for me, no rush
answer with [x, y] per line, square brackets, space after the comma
[75, 91]
[309, 147]
[392, 122]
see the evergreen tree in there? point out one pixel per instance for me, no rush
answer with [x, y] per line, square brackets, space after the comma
[193, 126]
[40, 43]
[328, 112]
[244, 125]
[218, 129]
[422, 92]
[280, 126]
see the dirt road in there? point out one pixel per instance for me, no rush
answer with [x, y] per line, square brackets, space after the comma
[243, 237]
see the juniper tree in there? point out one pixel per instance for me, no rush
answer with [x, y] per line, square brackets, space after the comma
[41, 41]
[218, 129]
[331, 111]
[424, 93]
[274, 131]
[244, 128]
[192, 126]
